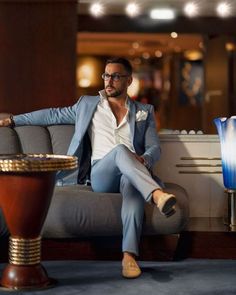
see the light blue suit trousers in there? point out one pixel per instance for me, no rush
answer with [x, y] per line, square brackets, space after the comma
[120, 171]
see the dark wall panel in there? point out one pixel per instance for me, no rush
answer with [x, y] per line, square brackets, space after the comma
[37, 54]
[216, 103]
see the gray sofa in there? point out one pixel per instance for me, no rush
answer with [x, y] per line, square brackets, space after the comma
[76, 211]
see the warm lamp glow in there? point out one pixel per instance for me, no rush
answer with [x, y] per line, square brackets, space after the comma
[85, 76]
[158, 53]
[193, 55]
[146, 55]
[174, 35]
[89, 71]
[133, 89]
[229, 46]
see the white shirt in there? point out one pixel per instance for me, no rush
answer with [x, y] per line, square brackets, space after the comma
[104, 132]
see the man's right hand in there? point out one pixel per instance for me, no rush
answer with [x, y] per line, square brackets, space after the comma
[6, 122]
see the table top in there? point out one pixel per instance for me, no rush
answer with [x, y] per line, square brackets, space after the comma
[36, 162]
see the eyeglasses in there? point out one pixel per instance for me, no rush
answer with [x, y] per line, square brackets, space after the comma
[115, 77]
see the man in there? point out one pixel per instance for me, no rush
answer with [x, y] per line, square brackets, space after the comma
[119, 138]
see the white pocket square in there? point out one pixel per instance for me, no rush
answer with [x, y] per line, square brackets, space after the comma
[141, 116]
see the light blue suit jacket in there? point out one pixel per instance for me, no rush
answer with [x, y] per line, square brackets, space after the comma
[142, 125]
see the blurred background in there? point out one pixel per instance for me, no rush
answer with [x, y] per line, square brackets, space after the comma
[183, 54]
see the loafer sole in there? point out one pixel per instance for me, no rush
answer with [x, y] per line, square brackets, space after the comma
[168, 206]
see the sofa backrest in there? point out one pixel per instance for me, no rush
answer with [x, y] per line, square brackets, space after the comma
[36, 139]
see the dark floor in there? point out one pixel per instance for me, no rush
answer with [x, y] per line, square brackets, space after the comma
[187, 277]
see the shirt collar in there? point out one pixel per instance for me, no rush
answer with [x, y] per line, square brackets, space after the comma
[103, 97]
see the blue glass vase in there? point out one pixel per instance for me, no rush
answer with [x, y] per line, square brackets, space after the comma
[226, 128]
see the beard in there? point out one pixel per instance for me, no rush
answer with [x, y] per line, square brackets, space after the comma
[113, 93]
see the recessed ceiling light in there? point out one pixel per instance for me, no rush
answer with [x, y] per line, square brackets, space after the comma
[223, 9]
[132, 9]
[96, 9]
[191, 9]
[162, 13]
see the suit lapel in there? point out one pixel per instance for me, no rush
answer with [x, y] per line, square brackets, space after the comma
[132, 112]
[86, 113]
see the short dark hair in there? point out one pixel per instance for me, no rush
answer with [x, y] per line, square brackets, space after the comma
[122, 61]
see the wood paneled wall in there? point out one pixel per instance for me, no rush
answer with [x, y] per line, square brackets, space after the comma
[216, 103]
[37, 54]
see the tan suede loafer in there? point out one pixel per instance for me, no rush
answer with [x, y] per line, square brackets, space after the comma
[166, 204]
[130, 270]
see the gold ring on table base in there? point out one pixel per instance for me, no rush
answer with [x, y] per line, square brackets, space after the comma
[24, 251]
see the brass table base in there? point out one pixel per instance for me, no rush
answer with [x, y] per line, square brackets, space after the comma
[32, 277]
[26, 187]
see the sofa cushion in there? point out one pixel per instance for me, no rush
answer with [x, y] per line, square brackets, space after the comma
[34, 139]
[9, 142]
[77, 211]
[61, 136]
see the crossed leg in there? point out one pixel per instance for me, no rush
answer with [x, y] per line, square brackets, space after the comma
[120, 171]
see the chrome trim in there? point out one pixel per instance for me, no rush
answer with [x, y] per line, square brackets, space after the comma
[199, 158]
[198, 165]
[200, 172]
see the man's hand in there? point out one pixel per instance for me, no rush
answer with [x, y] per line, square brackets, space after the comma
[6, 122]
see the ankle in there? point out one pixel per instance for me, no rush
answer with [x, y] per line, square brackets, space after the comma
[156, 195]
[128, 256]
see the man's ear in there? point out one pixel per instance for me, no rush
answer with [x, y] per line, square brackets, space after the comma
[130, 80]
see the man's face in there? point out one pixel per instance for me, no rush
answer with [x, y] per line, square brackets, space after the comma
[117, 84]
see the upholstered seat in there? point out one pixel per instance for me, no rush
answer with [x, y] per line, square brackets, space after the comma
[76, 210]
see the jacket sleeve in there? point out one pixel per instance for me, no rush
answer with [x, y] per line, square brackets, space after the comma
[49, 116]
[152, 144]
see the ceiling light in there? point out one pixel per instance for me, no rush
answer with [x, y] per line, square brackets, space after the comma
[96, 9]
[191, 9]
[174, 35]
[162, 13]
[223, 9]
[132, 9]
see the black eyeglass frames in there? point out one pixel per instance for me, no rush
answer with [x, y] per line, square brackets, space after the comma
[114, 77]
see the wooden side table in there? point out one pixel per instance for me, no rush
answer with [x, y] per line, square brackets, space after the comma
[26, 188]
